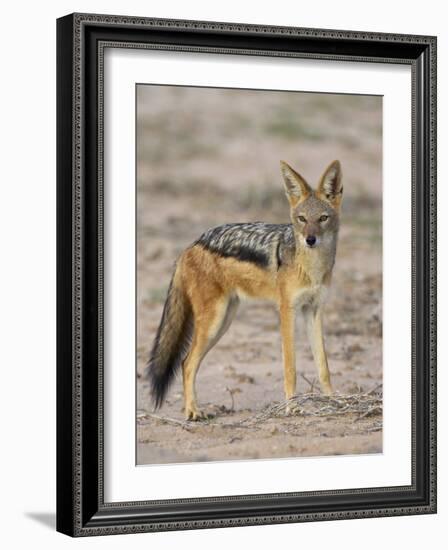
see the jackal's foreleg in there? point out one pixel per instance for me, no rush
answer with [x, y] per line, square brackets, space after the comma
[287, 327]
[316, 337]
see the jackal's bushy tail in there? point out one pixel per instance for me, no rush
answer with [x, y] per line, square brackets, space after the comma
[171, 342]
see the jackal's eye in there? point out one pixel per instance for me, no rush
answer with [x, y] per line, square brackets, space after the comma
[301, 219]
[323, 218]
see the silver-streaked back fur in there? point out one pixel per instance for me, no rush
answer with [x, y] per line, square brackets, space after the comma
[264, 244]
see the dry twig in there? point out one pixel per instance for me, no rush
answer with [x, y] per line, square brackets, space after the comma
[232, 408]
[167, 420]
[312, 383]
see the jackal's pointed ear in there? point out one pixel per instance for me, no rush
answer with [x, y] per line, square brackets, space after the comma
[296, 187]
[330, 185]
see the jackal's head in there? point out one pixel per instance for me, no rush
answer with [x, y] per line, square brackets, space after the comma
[314, 213]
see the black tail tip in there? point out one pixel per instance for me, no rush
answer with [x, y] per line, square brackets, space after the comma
[158, 386]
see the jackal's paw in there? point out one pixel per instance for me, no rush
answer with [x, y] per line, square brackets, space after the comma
[327, 390]
[193, 413]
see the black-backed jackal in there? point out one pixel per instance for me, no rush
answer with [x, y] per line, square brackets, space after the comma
[290, 264]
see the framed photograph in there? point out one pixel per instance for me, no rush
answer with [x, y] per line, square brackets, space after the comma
[246, 274]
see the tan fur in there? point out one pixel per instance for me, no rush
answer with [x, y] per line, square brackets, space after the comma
[213, 284]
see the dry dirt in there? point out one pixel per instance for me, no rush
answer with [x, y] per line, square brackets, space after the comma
[207, 157]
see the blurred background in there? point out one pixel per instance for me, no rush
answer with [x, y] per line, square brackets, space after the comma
[211, 156]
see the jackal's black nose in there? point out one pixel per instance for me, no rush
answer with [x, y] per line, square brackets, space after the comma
[311, 240]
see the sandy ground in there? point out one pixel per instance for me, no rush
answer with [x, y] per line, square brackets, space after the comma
[207, 157]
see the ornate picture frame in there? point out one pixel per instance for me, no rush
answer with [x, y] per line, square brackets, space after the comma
[81, 506]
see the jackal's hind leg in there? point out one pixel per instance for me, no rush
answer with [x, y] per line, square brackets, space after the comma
[210, 326]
